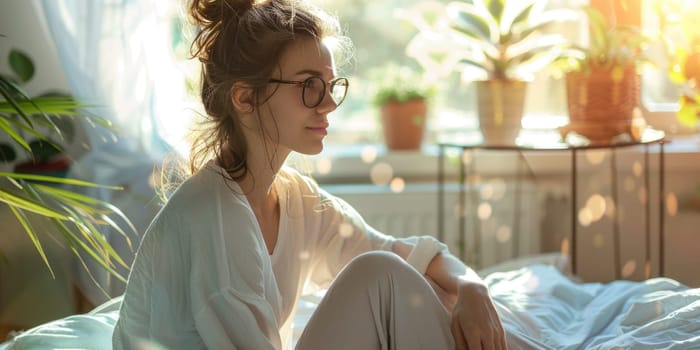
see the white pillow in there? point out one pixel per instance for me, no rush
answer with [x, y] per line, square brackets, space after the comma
[92, 330]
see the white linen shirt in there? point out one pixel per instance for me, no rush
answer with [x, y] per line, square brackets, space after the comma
[203, 278]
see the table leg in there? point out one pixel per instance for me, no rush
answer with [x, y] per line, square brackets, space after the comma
[572, 244]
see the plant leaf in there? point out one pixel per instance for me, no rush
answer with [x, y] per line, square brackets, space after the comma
[22, 218]
[66, 181]
[7, 90]
[21, 65]
[521, 18]
[598, 28]
[7, 153]
[468, 19]
[29, 205]
[5, 126]
[495, 8]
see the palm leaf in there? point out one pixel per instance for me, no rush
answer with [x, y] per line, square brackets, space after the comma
[19, 114]
[65, 181]
[15, 201]
[5, 126]
[24, 221]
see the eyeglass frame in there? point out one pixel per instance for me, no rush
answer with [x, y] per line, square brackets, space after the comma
[328, 85]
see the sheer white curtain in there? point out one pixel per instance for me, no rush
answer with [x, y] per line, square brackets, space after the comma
[116, 55]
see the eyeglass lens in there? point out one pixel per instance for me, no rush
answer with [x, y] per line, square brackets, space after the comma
[315, 89]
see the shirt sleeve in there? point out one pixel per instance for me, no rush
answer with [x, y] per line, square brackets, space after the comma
[230, 320]
[343, 235]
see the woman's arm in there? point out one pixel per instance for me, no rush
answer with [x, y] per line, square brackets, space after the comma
[475, 322]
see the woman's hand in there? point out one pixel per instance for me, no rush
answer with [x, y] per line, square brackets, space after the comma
[475, 322]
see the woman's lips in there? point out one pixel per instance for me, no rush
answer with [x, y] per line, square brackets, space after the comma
[321, 129]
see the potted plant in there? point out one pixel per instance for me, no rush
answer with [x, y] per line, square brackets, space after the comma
[683, 50]
[499, 44]
[602, 81]
[401, 94]
[33, 191]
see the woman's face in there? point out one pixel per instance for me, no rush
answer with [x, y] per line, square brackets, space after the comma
[299, 127]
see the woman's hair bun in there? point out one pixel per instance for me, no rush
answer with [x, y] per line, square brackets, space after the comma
[212, 17]
[208, 12]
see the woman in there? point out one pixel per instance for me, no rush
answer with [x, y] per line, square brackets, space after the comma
[224, 263]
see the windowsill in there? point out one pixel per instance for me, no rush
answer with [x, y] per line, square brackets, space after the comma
[345, 164]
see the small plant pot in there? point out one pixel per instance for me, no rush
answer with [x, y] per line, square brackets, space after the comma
[404, 124]
[500, 106]
[602, 103]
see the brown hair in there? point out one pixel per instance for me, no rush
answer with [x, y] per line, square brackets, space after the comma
[242, 41]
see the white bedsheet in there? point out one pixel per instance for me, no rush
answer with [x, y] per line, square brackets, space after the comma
[540, 309]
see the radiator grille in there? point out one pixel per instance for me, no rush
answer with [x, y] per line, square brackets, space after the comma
[510, 231]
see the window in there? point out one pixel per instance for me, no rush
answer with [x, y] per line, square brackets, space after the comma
[380, 37]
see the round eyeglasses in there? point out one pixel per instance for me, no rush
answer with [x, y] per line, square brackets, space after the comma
[313, 89]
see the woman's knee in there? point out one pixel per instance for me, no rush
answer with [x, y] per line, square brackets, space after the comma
[380, 263]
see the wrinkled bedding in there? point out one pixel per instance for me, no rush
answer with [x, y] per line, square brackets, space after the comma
[540, 307]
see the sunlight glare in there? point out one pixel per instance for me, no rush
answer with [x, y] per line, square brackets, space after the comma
[585, 217]
[466, 158]
[324, 165]
[369, 154]
[671, 204]
[629, 268]
[381, 173]
[637, 168]
[484, 211]
[596, 157]
[397, 185]
[503, 234]
[565, 247]
[596, 205]
[345, 230]
[609, 207]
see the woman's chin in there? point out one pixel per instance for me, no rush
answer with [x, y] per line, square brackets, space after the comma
[311, 151]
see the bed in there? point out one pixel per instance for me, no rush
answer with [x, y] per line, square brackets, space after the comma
[541, 308]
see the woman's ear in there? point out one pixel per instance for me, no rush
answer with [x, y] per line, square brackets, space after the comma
[242, 97]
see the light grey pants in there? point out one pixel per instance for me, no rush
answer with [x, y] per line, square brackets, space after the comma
[378, 302]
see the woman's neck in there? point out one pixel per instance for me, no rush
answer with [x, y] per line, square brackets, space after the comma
[258, 182]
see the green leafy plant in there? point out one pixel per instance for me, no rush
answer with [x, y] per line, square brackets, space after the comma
[610, 46]
[399, 83]
[76, 219]
[488, 39]
[678, 25]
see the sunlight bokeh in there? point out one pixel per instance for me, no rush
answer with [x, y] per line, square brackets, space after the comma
[629, 268]
[596, 204]
[503, 234]
[585, 217]
[671, 204]
[324, 165]
[397, 185]
[596, 157]
[484, 211]
[381, 173]
[369, 154]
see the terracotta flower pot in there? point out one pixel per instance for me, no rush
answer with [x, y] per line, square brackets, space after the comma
[404, 124]
[602, 102]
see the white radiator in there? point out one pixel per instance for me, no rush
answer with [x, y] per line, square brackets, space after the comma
[507, 230]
